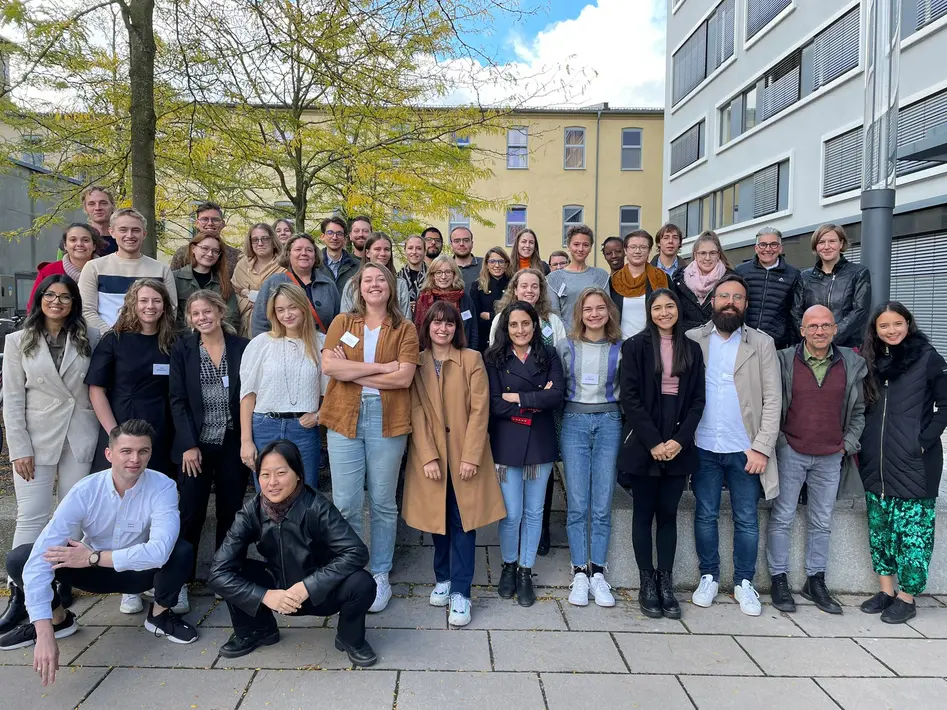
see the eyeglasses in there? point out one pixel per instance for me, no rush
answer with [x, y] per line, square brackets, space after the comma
[639, 248]
[209, 220]
[462, 240]
[260, 240]
[496, 262]
[433, 240]
[824, 327]
[735, 297]
[209, 250]
[63, 298]
[444, 273]
[706, 254]
[768, 245]
[334, 233]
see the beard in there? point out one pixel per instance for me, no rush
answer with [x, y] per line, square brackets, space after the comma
[728, 320]
[433, 253]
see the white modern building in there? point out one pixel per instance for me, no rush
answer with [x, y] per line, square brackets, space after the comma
[763, 119]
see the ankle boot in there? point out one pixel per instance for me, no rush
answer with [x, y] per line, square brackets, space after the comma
[524, 586]
[507, 586]
[64, 589]
[15, 613]
[648, 598]
[669, 605]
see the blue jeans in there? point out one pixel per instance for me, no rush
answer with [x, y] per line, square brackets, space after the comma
[267, 430]
[377, 459]
[590, 445]
[521, 528]
[455, 552]
[745, 490]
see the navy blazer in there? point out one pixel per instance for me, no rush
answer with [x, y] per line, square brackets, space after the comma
[187, 403]
[640, 398]
[518, 444]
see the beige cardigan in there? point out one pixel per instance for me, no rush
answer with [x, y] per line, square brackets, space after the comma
[245, 278]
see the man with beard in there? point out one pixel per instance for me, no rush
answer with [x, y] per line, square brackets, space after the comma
[614, 252]
[461, 243]
[360, 229]
[208, 219]
[337, 262]
[433, 244]
[736, 440]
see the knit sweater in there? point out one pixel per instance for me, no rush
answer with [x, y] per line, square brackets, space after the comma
[564, 287]
[591, 372]
[104, 282]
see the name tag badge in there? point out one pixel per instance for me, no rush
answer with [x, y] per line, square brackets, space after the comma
[349, 339]
[562, 290]
[589, 378]
[130, 526]
[225, 381]
[547, 330]
[157, 369]
[252, 295]
[466, 315]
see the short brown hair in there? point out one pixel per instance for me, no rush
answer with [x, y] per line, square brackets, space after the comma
[284, 258]
[447, 312]
[825, 229]
[638, 234]
[580, 229]
[131, 427]
[96, 188]
[668, 228]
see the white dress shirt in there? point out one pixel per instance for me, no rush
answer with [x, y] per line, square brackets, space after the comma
[721, 429]
[140, 528]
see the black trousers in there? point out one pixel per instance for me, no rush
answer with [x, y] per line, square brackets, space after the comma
[167, 581]
[222, 467]
[350, 600]
[655, 497]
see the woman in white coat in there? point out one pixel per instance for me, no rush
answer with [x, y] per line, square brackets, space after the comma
[51, 426]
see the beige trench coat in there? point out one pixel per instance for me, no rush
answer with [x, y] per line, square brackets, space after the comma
[245, 278]
[449, 418]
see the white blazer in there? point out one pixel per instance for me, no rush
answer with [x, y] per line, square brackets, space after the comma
[42, 407]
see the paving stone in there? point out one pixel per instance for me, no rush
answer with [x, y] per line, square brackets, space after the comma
[721, 619]
[136, 647]
[410, 613]
[297, 649]
[651, 692]
[415, 565]
[83, 602]
[412, 650]
[220, 617]
[670, 653]
[909, 657]
[885, 693]
[295, 690]
[71, 686]
[468, 691]
[812, 657]
[106, 612]
[498, 614]
[159, 689]
[69, 648]
[741, 693]
[930, 622]
[550, 651]
[624, 616]
[553, 570]
[852, 622]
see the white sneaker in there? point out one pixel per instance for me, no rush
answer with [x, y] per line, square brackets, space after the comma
[749, 598]
[579, 594]
[149, 594]
[441, 595]
[601, 590]
[184, 605]
[459, 610]
[382, 593]
[131, 604]
[706, 591]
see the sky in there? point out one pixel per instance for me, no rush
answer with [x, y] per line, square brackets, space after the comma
[574, 53]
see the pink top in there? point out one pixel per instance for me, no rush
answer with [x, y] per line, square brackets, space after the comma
[668, 381]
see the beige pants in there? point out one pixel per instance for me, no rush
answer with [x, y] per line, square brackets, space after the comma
[34, 499]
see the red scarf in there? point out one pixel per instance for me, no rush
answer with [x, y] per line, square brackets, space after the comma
[426, 299]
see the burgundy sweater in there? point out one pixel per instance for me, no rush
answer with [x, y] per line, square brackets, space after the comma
[813, 423]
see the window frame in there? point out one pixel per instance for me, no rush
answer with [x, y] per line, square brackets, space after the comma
[510, 235]
[622, 225]
[565, 224]
[452, 223]
[510, 155]
[639, 148]
[567, 146]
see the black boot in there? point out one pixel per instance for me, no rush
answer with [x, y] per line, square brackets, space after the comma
[544, 543]
[15, 613]
[524, 586]
[669, 605]
[648, 598]
[64, 589]
[507, 586]
[239, 646]
[780, 593]
[899, 612]
[815, 591]
[877, 603]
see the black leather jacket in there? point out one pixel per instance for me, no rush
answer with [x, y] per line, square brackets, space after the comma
[313, 545]
[846, 292]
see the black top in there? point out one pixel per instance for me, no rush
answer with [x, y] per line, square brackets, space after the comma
[769, 300]
[484, 303]
[202, 279]
[846, 292]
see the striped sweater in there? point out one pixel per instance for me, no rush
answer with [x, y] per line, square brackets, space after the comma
[591, 372]
[104, 282]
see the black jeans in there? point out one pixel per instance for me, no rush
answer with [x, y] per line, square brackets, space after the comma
[167, 581]
[655, 497]
[221, 466]
[350, 600]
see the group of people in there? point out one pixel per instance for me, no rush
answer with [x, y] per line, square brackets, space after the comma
[488, 373]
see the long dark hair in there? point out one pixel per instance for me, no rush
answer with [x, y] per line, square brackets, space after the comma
[74, 326]
[502, 347]
[447, 312]
[683, 357]
[874, 347]
[288, 450]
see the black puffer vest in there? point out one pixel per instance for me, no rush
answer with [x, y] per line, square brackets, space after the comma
[769, 301]
[893, 462]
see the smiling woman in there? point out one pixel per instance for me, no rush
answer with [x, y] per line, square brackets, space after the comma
[206, 270]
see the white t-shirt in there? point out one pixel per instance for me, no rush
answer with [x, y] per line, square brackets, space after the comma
[632, 317]
[371, 343]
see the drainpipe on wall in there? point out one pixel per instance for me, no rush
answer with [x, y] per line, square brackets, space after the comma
[598, 142]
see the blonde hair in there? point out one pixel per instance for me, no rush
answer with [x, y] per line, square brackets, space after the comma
[128, 212]
[220, 268]
[535, 261]
[308, 333]
[128, 321]
[214, 299]
[543, 307]
[392, 307]
[711, 236]
[612, 327]
[428, 283]
[484, 279]
[271, 233]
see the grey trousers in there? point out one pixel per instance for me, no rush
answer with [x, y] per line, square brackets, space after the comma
[822, 473]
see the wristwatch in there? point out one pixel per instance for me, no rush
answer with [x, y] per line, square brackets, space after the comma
[94, 559]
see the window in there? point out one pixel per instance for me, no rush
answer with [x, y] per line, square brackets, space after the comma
[457, 218]
[916, 14]
[629, 219]
[710, 45]
[32, 152]
[631, 149]
[571, 215]
[830, 54]
[515, 221]
[760, 13]
[841, 163]
[516, 148]
[575, 149]
[687, 148]
[461, 141]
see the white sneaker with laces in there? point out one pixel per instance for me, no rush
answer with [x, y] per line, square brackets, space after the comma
[706, 591]
[131, 604]
[441, 595]
[579, 594]
[601, 590]
[184, 604]
[382, 593]
[459, 610]
[749, 598]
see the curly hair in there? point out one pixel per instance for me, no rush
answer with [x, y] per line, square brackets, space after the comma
[543, 307]
[129, 322]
